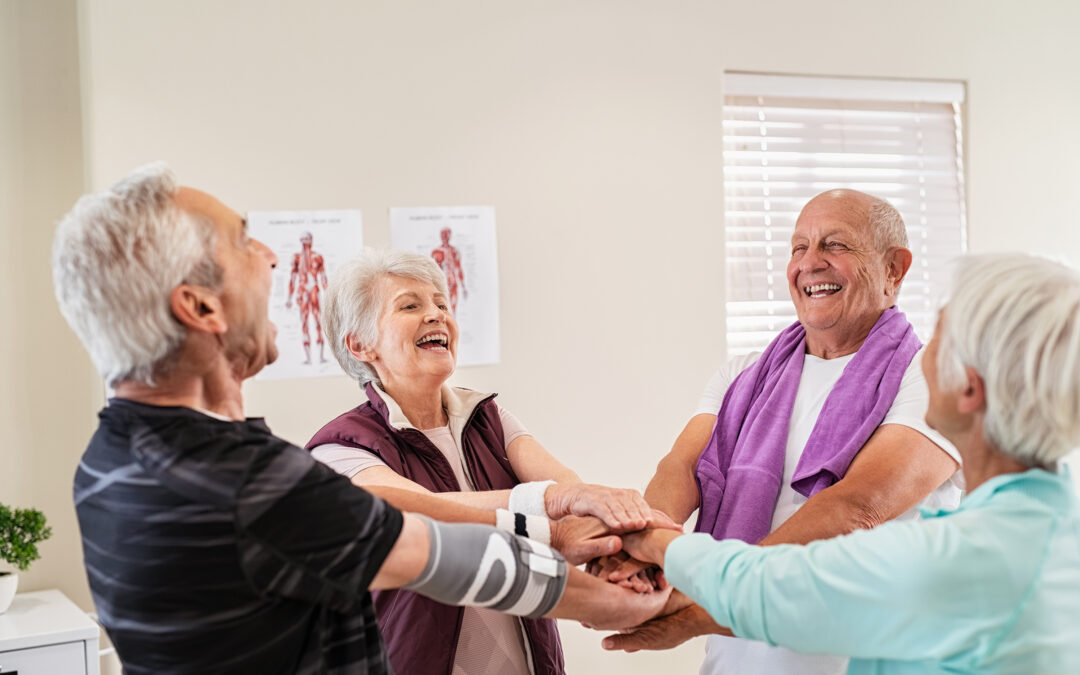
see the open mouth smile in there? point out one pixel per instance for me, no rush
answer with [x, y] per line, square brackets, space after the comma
[821, 290]
[435, 342]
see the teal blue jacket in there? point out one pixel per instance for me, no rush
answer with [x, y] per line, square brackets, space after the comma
[992, 587]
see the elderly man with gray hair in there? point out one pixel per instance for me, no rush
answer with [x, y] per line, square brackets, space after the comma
[820, 434]
[991, 587]
[212, 546]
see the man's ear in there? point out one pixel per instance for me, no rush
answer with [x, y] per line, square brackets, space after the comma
[972, 397]
[359, 352]
[198, 308]
[897, 264]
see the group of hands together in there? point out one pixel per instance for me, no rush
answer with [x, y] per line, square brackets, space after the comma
[606, 529]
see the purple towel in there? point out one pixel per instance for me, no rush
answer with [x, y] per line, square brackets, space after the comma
[739, 472]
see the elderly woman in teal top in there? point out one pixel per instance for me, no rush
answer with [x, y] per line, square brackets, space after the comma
[992, 587]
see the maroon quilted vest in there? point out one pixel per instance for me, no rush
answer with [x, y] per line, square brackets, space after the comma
[421, 635]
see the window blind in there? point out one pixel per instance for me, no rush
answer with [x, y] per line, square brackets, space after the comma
[789, 138]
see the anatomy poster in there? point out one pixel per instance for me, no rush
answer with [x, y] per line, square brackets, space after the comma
[309, 247]
[461, 239]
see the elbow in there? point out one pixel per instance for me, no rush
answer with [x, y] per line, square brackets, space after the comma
[864, 512]
[674, 466]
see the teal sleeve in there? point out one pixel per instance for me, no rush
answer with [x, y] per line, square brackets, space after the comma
[903, 590]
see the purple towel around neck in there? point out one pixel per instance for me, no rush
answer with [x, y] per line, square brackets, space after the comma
[740, 471]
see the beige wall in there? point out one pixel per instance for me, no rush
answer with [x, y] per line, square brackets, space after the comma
[594, 130]
[49, 392]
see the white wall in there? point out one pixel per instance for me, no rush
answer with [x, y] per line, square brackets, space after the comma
[49, 392]
[593, 128]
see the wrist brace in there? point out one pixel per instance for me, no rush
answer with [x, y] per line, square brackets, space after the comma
[531, 527]
[528, 498]
[480, 566]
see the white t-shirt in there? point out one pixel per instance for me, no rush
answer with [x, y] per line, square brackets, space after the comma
[489, 641]
[735, 655]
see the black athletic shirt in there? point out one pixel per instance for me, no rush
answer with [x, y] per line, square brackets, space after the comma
[214, 547]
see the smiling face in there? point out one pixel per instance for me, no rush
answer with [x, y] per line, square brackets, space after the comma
[839, 281]
[418, 336]
[246, 264]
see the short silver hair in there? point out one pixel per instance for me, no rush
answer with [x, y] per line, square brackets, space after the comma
[116, 258]
[1015, 319]
[355, 297]
[887, 225]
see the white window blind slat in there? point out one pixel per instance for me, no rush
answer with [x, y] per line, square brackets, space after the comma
[789, 138]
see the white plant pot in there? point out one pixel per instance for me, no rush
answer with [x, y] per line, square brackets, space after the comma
[9, 583]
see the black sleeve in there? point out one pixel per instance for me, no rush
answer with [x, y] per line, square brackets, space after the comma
[308, 533]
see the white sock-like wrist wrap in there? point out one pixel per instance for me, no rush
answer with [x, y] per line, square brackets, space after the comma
[534, 527]
[528, 498]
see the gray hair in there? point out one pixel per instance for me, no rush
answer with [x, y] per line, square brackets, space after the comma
[887, 225]
[354, 301]
[1015, 319]
[116, 258]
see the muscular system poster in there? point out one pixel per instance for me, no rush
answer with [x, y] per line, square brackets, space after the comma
[461, 239]
[309, 246]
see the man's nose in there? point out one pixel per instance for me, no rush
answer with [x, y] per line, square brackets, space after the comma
[812, 259]
[267, 252]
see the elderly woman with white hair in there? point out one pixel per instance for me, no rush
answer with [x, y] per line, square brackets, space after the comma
[992, 587]
[388, 321]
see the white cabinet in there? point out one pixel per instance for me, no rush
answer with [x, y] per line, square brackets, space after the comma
[44, 633]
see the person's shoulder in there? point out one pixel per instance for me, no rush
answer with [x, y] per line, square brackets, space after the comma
[915, 366]
[736, 364]
[356, 426]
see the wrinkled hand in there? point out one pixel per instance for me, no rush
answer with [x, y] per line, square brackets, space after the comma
[667, 631]
[663, 521]
[648, 546]
[580, 539]
[627, 608]
[621, 509]
[623, 570]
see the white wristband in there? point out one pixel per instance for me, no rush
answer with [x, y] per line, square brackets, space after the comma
[528, 498]
[535, 528]
[504, 520]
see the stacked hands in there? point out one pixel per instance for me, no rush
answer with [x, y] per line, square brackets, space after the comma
[620, 539]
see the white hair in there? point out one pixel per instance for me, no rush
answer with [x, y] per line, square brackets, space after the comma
[116, 258]
[887, 225]
[354, 301]
[1015, 319]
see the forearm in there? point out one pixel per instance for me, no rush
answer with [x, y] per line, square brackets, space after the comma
[488, 500]
[531, 461]
[673, 489]
[603, 605]
[896, 469]
[872, 587]
[434, 506]
[453, 563]
[379, 477]
[830, 513]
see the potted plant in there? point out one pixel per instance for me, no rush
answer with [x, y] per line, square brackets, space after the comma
[20, 532]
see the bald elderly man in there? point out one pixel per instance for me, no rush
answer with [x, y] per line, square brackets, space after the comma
[821, 434]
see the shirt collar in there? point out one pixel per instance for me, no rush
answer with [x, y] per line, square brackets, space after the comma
[459, 403]
[1047, 486]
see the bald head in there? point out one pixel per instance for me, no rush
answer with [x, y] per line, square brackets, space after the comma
[882, 219]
